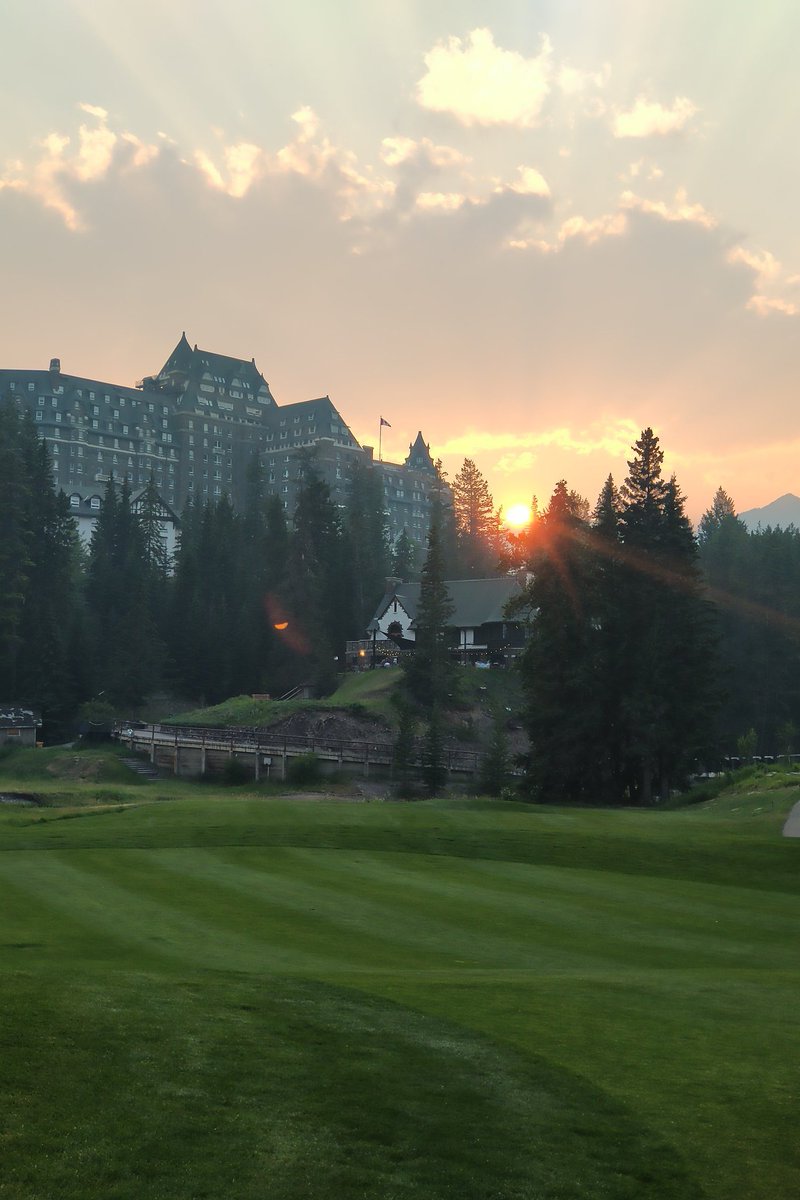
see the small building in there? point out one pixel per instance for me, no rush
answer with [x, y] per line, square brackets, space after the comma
[18, 725]
[479, 629]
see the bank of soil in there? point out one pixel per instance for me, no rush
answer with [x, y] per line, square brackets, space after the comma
[467, 730]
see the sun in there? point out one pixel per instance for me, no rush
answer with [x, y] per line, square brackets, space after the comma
[518, 516]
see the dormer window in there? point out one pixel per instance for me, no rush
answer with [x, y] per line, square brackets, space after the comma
[94, 503]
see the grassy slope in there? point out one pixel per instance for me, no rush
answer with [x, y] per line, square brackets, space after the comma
[246, 998]
[370, 691]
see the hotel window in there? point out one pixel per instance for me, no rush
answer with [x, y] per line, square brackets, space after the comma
[40, 400]
[38, 416]
[31, 387]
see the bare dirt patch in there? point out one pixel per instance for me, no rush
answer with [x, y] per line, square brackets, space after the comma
[334, 726]
[76, 767]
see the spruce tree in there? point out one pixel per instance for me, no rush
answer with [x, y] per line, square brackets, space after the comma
[430, 672]
[476, 521]
[669, 647]
[557, 664]
[366, 536]
[404, 558]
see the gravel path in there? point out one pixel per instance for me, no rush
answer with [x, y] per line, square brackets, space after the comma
[792, 826]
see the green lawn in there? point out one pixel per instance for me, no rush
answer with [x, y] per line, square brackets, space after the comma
[237, 996]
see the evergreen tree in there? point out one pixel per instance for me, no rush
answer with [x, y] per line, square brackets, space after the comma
[669, 654]
[39, 602]
[404, 558]
[126, 648]
[714, 518]
[434, 768]
[367, 547]
[317, 585]
[404, 746]
[494, 770]
[15, 546]
[430, 672]
[476, 521]
[557, 664]
[609, 637]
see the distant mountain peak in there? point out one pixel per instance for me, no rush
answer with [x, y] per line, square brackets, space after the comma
[780, 513]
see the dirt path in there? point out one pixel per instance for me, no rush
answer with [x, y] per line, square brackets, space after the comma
[792, 826]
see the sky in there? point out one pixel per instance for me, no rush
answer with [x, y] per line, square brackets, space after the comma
[528, 229]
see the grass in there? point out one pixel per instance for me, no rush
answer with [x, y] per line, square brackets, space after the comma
[247, 997]
[369, 692]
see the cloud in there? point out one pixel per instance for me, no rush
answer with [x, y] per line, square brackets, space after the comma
[766, 305]
[614, 438]
[94, 110]
[244, 163]
[530, 183]
[63, 161]
[648, 118]
[398, 150]
[478, 83]
[573, 82]
[679, 210]
[768, 280]
[764, 264]
[589, 230]
[440, 201]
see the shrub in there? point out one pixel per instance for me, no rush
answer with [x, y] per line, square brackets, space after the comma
[235, 772]
[304, 769]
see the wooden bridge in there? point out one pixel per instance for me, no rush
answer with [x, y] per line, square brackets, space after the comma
[192, 750]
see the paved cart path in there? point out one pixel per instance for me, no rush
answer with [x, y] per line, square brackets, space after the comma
[792, 826]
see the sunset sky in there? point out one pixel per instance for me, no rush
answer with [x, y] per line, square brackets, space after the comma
[528, 229]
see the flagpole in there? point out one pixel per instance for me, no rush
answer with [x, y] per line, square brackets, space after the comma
[380, 441]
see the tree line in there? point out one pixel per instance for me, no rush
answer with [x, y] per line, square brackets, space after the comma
[650, 648]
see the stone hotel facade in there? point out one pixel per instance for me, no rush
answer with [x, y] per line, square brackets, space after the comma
[195, 426]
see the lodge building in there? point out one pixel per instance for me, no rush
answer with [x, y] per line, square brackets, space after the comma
[195, 426]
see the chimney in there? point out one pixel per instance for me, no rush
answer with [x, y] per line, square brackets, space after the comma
[55, 365]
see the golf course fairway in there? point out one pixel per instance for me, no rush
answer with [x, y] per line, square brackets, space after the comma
[231, 995]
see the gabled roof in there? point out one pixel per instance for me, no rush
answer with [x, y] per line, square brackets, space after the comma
[164, 511]
[14, 717]
[475, 601]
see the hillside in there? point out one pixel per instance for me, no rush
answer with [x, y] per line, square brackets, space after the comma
[362, 709]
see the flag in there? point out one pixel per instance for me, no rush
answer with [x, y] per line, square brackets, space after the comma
[386, 423]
